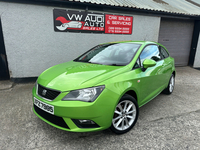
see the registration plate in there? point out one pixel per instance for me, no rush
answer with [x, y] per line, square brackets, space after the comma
[46, 107]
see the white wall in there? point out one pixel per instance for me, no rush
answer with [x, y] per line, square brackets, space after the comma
[197, 60]
[32, 45]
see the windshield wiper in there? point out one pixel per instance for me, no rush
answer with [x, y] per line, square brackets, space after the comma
[98, 63]
[116, 65]
[94, 63]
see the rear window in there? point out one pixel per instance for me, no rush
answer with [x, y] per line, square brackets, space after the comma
[163, 52]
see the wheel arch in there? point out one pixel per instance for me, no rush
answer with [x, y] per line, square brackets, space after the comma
[132, 93]
[174, 73]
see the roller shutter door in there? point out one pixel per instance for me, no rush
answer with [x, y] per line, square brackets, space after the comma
[176, 36]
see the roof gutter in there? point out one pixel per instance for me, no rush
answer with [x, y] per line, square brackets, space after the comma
[105, 8]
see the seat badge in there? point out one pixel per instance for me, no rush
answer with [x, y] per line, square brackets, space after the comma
[44, 92]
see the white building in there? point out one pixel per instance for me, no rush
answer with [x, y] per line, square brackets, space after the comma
[31, 40]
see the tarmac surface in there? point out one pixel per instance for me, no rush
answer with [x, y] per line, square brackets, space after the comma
[167, 122]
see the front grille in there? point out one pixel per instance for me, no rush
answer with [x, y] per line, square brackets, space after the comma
[51, 118]
[47, 93]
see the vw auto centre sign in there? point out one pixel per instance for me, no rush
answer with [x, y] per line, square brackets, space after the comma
[89, 22]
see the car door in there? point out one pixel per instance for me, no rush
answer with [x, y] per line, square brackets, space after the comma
[167, 65]
[151, 81]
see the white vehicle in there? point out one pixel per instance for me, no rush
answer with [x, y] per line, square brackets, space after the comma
[71, 24]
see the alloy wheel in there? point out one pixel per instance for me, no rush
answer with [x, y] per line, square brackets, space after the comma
[171, 84]
[124, 115]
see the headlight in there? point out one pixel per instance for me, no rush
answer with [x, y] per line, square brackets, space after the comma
[87, 95]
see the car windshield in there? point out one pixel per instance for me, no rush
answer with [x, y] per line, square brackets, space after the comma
[116, 54]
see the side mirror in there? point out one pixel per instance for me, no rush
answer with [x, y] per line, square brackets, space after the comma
[148, 63]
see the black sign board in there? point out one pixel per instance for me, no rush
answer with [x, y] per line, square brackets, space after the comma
[89, 22]
[78, 21]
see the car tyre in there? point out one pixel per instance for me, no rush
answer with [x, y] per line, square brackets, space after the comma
[170, 86]
[125, 115]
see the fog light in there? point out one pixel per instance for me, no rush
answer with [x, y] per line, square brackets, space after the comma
[85, 123]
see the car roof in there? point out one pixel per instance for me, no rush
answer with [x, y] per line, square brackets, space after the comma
[136, 42]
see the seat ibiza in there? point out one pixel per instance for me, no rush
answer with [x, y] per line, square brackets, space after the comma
[104, 87]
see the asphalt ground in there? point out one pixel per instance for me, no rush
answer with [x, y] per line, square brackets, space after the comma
[168, 122]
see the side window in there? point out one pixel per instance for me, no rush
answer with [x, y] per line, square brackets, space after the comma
[150, 52]
[163, 52]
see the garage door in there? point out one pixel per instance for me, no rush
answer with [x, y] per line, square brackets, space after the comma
[176, 36]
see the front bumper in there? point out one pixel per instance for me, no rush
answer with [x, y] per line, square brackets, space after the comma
[100, 111]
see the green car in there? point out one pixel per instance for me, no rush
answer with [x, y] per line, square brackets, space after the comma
[104, 87]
